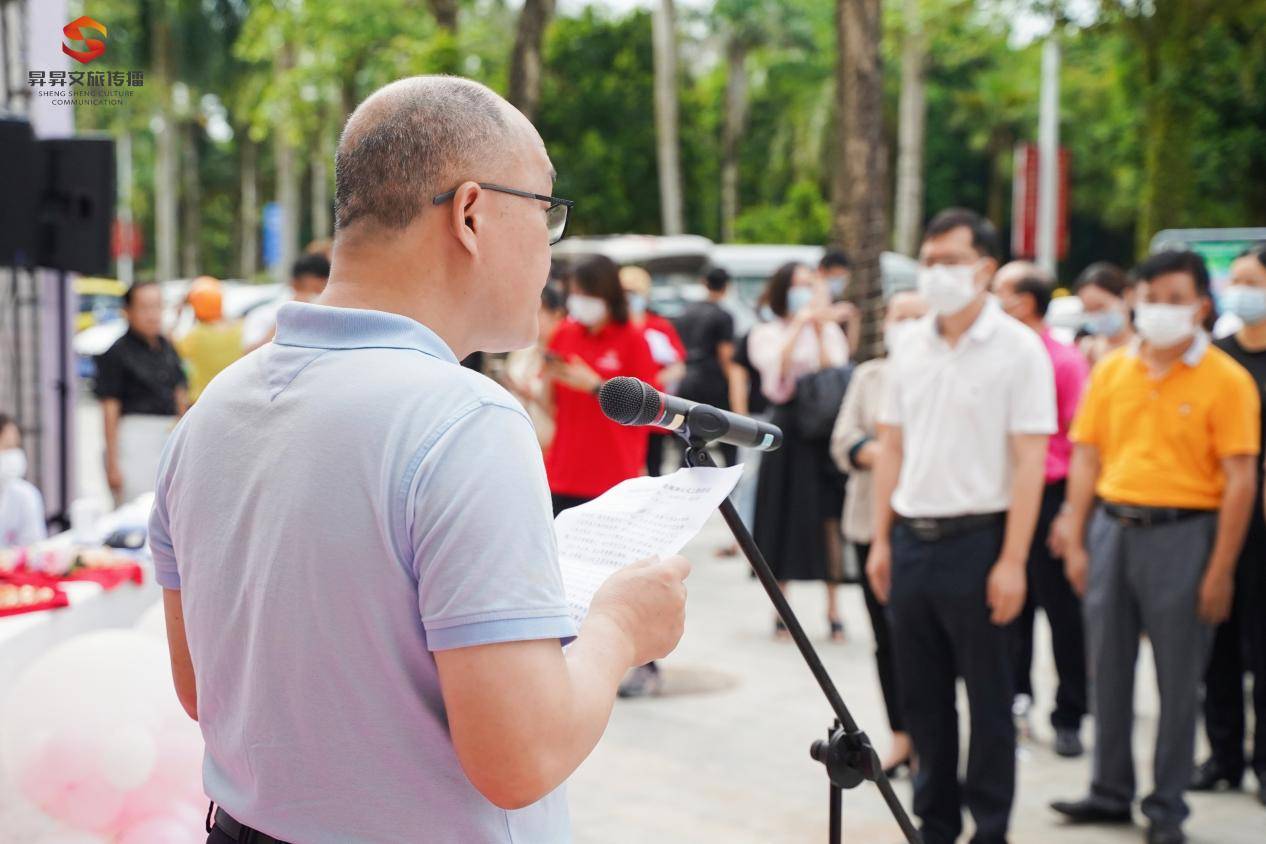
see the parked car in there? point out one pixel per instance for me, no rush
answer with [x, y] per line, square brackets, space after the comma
[100, 300]
[751, 265]
[675, 263]
[239, 299]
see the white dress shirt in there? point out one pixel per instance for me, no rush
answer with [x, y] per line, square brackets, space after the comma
[957, 407]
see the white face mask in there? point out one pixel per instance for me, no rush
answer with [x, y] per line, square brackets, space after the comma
[948, 288]
[586, 310]
[895, 334]
[12, 464]
[1165, 325]
[798, 298]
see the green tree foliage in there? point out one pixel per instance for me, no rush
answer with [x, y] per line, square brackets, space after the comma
[1163, 110]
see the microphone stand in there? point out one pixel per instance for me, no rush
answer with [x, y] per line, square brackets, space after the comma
[846, 753]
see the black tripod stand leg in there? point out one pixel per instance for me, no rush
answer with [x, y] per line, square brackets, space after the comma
[836, 835]
[860, 762]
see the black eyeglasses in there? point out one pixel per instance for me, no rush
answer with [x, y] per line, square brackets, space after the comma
[555, 216]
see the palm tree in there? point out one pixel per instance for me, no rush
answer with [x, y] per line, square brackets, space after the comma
[664, 40]
[746, 25]
[860, 177]
[912, 110]
[525, 60]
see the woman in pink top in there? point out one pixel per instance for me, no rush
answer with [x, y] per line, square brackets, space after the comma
[799, 492]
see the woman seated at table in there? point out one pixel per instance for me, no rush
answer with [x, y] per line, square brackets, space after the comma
[21, 505]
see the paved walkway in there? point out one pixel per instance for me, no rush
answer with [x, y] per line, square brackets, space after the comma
[732, 764]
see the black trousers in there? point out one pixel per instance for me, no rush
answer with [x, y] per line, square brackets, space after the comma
[219, 836]
[1050, 590]
[883, 644]
[941, 631]
[1239, 645]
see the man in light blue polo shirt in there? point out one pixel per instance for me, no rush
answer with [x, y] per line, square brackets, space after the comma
[354, 533]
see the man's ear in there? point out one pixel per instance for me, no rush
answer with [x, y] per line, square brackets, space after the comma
[990, 267]
[465, 217]
[1207, 315]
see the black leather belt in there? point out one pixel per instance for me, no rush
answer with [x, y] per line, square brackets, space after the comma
[1133, 516]
[934, 529]
[239, 833]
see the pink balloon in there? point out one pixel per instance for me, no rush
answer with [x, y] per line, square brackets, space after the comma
[60, 779]
[178, 769]
[165, 829]
[140, 806]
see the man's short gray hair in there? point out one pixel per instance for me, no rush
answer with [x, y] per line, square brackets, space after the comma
[411, 140]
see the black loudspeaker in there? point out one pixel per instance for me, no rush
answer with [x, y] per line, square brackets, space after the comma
[19, 180]
[76, 206]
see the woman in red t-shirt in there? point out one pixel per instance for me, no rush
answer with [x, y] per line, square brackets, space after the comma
[590, 453]
[666, 348]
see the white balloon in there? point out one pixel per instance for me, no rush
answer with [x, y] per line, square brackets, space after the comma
[109, 696]
[71, 837]
[23, 822]
[127, 756]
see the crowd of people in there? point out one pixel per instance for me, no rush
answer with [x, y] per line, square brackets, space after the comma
[981, 470]
[147, 379]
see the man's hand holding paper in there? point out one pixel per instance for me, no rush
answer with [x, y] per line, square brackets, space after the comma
[633, 524]
[646, 600]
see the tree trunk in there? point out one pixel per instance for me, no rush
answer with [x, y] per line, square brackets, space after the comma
[664, 40]
[999, 145]
[1165, 43]
[248, 212]
[525, 61]
[732, 133]
[191, 203]
[908, 216]
[288, 199]
[860, 175]
[166, 188]
[288, 178]
[321, 187]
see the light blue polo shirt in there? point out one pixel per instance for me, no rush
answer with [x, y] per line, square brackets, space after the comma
[337, 505]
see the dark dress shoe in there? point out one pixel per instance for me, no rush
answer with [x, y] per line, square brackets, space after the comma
[1092, 810]
[1068, 742]
[1157, 834]
[1211, 776]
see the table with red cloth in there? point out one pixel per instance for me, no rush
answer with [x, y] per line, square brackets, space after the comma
[81, 600]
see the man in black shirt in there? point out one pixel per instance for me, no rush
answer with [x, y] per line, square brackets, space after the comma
[707, 331]
[142, 388]
[1239, 643]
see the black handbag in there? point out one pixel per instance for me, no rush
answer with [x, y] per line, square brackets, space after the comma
[818, 399]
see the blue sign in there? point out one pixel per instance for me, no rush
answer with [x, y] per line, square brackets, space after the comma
[272, 220]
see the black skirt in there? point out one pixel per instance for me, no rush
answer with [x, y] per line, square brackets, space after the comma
[798, 490]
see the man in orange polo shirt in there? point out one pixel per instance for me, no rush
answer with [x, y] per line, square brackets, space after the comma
[1167, 439]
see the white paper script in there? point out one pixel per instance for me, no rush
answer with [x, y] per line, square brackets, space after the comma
[638, 518]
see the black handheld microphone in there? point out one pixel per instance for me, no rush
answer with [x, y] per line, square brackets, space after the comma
[631, 401]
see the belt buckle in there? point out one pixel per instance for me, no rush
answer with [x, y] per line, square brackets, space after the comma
[926, 529]
[1134, 517]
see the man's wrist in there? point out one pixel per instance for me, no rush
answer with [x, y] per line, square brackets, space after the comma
[605, 629]
[1220, 566]
[1013, 561]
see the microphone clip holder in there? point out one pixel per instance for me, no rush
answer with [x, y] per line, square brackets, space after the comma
[846, 754]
